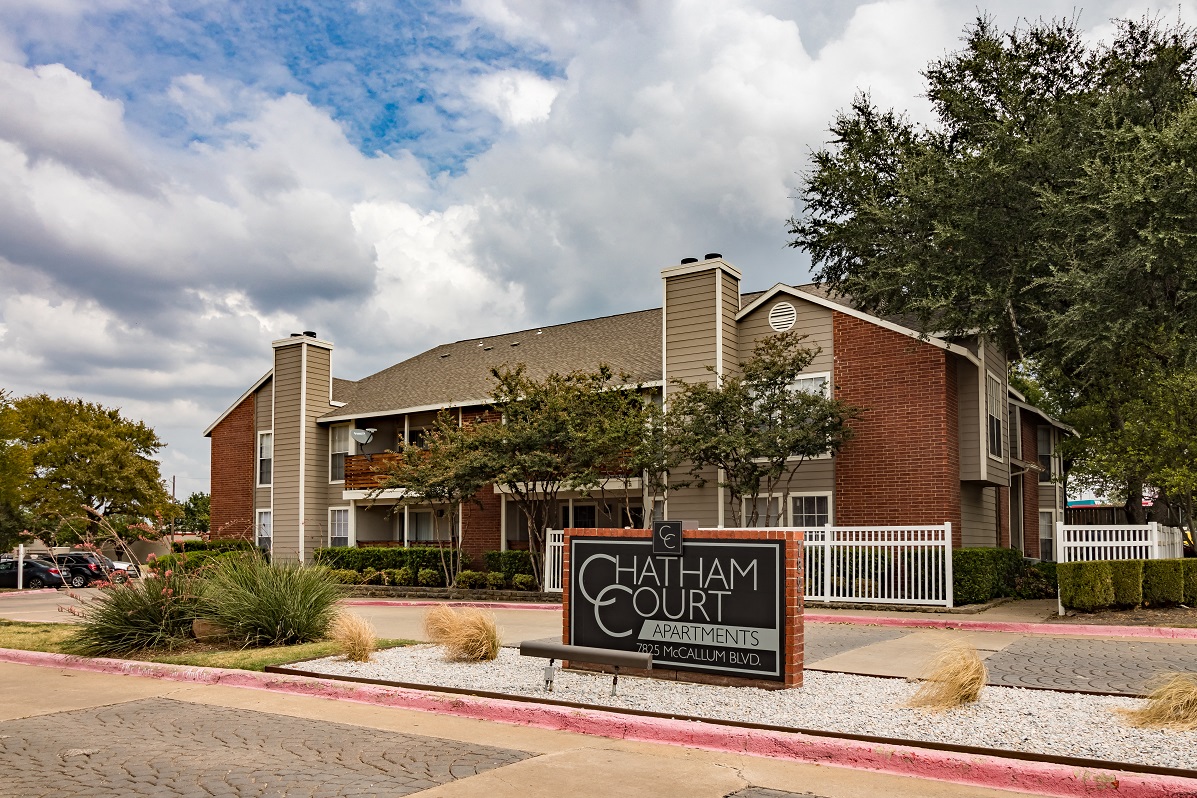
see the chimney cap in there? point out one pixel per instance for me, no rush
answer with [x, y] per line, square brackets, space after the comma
[296, 335]
[310, 333]
[713, 255]
[689, 260]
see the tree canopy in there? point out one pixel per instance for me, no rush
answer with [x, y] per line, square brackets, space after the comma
[1051, 207]
[86, 459]
[15, 468]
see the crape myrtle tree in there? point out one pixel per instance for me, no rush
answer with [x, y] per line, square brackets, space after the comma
[87, 462]
[1050, 208]
[15, 468]
[757, 428]
[195, 513]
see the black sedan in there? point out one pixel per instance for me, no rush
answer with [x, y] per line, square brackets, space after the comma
[38, 573]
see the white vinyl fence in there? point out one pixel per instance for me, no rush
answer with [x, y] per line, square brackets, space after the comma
[853, 564]
[879, 564]
[554, 559]
[1111, 542]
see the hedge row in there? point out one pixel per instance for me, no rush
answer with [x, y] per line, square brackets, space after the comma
[980, 575]
[1106, 584]
[429, 577]
[416, 558]
[211, 545]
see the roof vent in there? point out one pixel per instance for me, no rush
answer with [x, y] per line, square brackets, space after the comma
[296, 335]
[713, 255]
[310, 333]
[782, 316]
[446, 354]
[689, 260]
[486, 348]
[515, 343]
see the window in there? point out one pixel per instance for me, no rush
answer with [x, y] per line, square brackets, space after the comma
[338, 527]
[338, 448]
[416, 437]
[585, 516]
[808, 511]
[265, 531]
[1046, 454]
[421, 525]
[265, 457]
[995, 410]
[632, 516]
[1047, 530]
[768, 512]
[517, 525]
[813, 384]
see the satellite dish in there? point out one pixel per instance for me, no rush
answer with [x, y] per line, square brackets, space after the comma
[363, 436]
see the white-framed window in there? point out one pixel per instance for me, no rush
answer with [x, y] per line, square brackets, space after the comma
[422, 525]
[264, 532]
[768, 511]
[995, 410]
[1047, 531]
[1047, 454]
[338, 449]
[265, 458]
[809, 510]
[818, 382]
[338, 527]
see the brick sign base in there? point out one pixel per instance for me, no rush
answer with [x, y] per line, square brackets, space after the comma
[791, 638]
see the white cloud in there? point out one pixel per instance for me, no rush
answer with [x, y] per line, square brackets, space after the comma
[515, 96]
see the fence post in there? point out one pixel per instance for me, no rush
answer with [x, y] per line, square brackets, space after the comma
[948, 551]
[1057, 550]
[21, 566]
[1153, 541]
[827, 533]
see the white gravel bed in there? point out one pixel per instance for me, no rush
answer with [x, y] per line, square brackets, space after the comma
[1039, 721]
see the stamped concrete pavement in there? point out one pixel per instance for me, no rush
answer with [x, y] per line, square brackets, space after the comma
[74, 732]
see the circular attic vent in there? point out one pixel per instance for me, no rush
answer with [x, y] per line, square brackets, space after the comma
[781, 317]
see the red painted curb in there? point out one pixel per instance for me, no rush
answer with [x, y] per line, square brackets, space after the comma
[24, 592]
[493, 605]
[986, 771]
[1072, 630]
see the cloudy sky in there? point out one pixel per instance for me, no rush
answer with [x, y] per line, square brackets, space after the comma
[182, 181]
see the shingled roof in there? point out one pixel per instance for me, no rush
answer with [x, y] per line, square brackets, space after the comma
[459, 373]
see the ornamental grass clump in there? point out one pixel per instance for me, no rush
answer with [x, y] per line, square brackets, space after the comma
[954, 678]
[466, 635]
[355, 636]
[154, 613]
[1171, 705]
[269, 604]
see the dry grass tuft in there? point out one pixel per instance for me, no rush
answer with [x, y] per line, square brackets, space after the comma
[355, 636]
[467, 635]
[1171, 705]
[954, 678]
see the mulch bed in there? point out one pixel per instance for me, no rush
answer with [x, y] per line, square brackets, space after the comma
[1141, 616]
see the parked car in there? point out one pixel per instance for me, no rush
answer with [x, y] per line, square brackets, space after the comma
[38, 573]
[121, 570]
[81, 568]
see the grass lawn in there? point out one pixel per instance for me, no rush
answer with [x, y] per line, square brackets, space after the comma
[55, 638]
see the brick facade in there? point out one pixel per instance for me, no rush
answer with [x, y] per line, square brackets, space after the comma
[1030, 486]
[233, 453]
[903, 465]
[794, 601]
[481, 527]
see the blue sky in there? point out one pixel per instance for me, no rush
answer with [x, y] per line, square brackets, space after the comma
[182, 181]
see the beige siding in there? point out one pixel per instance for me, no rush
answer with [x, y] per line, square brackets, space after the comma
[698, 507]
[690, 326]
[971, 422]
[319, 378]
[287, 380]
[978, 514]
[263, 401]
[813, 476]
[998, 471]
[813, 321]
[729, 307]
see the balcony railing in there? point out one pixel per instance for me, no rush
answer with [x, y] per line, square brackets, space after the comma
[363, 474]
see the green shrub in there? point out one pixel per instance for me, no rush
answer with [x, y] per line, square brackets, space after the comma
[345, 577]
[982, 574]
[508, 563]
[152, 613]
[1037, 581]
[471, 580]
[1127, 576]
[269, 604]
[404, 576]
[496, 581]
[383, 559]
[372, 577]
[1190, 569]
[184, 561]
[180, 546]
[1086, 586]
[524, 582]
[430, 577]
[1163, 582]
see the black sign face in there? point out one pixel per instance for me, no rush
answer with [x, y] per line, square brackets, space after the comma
[667, 538]
[719, 607]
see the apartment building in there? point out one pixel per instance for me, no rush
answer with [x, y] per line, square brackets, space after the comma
[942, 437]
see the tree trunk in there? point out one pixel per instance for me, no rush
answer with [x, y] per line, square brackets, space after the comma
[1133, 507]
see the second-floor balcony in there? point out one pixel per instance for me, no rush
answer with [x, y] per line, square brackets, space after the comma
[367, 473]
